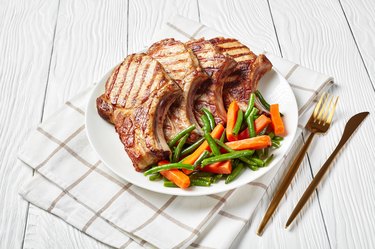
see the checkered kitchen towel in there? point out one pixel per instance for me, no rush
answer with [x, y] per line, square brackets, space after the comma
[72, 183]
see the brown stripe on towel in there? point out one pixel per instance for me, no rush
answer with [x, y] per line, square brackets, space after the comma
[79, 110]
[167, 216]
[167, 204]
[60, 144]
[205, 220]
[232, 216]
[106, 206]
[71, 186]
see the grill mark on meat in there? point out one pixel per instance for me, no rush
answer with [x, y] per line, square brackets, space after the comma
[129, 81]
[218, 66]
[236, 56]
[134, 94]
[119, 81]
[146, 87]
[248, 71]
[178, 61]
[183, 67]
[139, 121]
[113, 79]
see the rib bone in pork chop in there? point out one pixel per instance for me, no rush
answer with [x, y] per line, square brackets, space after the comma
[218, 67]
[137, 96]
[249, 70]
[183, 67]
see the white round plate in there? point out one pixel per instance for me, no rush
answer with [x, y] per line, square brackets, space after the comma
[106, 142]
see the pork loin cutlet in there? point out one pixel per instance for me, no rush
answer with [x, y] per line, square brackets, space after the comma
[249, 70]
[218, 67]
[137, 96]
[183, 67]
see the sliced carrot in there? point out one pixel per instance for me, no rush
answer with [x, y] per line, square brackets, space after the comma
[260, 123]
[219, 167]
[254, 143]
[277, 122]
[176, 176]
[231, 120]
[190, 159]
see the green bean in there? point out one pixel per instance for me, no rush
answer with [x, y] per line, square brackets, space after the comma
[238, 124]
[257, 161]
[277, 138]
[235, 173]
[192, 147]
[202, 156]
[227, 156]
[206, 123]
[246, 160]
[216, 178]
[229, 149]
[177, 152]
[266, 151]
[271, 135]
[250, 105]
[251, 126]
[275, 144]
[202, 178]
[262, 100]
[223, 145]
[201, 174]
[256, 116]
[155, 177]
[170, 184]
[254, 111]
[210, 117]
[253, 167]
[180, 135]
[167, 167]
[202, 183]
[212, 144]
[222, 138]
[268, 160]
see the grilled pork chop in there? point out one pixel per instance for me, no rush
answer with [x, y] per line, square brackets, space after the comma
[249, 70]
[218, 66]
[183, 67]
[137, 96]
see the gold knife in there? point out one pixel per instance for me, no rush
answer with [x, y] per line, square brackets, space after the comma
[350, 127]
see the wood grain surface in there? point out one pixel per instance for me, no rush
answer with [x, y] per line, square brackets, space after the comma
[25, 53]
[350, 183]
[50, 50]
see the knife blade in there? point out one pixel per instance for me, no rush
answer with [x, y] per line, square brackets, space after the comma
[351, 126]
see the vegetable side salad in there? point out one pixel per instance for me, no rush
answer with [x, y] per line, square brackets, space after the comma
[223, 152]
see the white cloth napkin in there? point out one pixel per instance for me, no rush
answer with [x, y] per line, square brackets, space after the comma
[72, 183]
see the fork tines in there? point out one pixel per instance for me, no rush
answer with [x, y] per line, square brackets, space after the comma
[324, 110]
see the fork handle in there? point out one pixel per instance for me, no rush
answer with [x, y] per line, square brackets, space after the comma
[284, 184]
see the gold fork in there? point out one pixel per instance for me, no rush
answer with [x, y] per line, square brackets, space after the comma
[319, 122]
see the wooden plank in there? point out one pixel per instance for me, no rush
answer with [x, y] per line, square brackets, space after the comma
[245, 20]
[360, 16]
[252, 21]
[316, 34]
[26, 35]
[91, 37]
[147, 17]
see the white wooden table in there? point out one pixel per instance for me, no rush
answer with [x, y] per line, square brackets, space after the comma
[51, 49]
